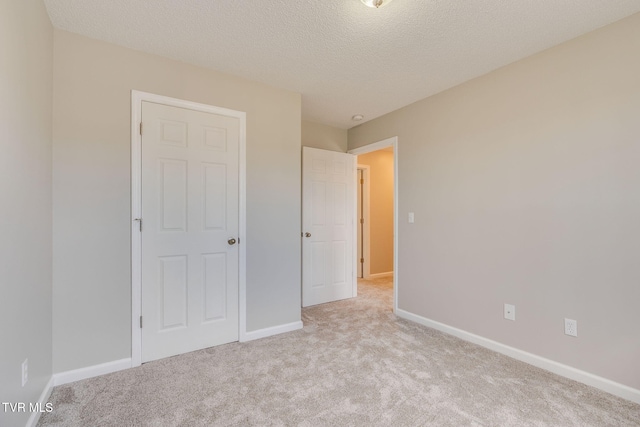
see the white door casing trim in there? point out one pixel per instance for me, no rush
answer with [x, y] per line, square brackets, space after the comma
[389, 142]
[137, 97]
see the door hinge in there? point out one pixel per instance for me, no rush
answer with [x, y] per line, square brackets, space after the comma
[361, 179]
[139, 223]
[361, 220]
[140, 128]
[140, 322]
[361, 260]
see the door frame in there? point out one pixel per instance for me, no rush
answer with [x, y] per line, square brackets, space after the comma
[379, 145]
[366, 215]
[137, 97]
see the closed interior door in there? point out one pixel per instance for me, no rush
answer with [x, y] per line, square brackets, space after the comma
[190, 256]
[328, 217]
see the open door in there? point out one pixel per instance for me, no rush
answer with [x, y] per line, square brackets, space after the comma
[328, 226]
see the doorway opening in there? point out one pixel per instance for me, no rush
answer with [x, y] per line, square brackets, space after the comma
[377, 183]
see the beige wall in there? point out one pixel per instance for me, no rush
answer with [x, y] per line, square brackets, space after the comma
[316, 135]
[381, 209]
[524, 183]
[26, 48]
[92, 180]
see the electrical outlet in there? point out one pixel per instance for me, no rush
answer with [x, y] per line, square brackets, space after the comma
[25, 371]
[510, 312]
[571, 327]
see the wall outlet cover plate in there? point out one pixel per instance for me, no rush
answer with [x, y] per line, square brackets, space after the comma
[571, 327]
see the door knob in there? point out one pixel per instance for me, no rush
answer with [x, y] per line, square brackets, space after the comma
[231, 241]
[307, 234]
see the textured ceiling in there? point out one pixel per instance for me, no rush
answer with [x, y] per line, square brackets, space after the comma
[343, 57]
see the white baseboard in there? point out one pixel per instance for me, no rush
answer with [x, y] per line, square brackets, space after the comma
[274, 330]
[91, 371]
[376, 275]
[42, 401]
[587, 378]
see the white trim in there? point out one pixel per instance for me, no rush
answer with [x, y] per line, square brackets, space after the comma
[354, 232]
[587, 378]
[274, 330]
[242, 227]
[136, 236]
[91, 371]
[376, 275]
[366, 215]
[389, 142]
[354, 229]
[136, 200]
[44, 398]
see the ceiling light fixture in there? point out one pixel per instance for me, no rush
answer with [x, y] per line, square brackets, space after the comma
[357, 117]
[375, 3]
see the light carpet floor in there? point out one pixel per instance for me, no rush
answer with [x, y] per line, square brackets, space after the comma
[353, 364]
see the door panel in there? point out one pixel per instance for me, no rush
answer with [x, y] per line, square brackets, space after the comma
[328, 213]
[190, 197]
[173, 194]
[215, 286]
[215, 196]
[172, 286]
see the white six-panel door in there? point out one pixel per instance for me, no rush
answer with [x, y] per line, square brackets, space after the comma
[190, 214]
[328, 229]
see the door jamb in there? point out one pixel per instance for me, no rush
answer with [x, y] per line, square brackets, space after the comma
[366, 214]
[389, 142]
[137, 97]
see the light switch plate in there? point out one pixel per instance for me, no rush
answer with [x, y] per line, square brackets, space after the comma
[510, 312]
